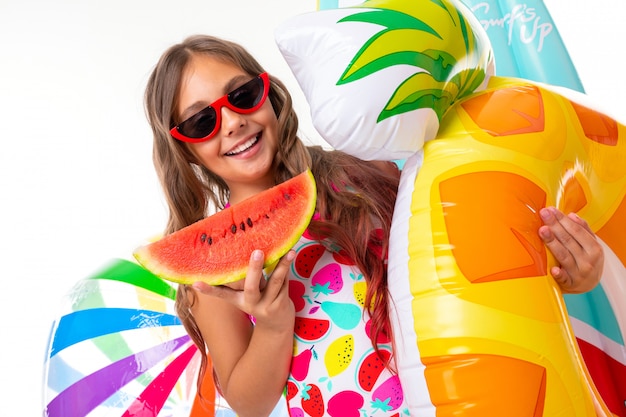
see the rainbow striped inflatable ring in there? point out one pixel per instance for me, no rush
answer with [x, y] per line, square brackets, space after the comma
[481, 329]
[118, 349]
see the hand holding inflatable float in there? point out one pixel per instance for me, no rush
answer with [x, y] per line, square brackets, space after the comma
[489, 332]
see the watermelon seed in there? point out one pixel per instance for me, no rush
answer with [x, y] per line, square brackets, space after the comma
[203, 237]
[287, 196]
[233, 228]
[242, 226]
[249, 221]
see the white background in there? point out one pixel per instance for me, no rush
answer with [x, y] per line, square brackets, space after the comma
[77, 185]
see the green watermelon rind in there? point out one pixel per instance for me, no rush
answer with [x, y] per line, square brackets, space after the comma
[179, 246]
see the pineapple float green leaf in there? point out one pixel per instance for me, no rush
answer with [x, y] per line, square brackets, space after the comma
[438, 40]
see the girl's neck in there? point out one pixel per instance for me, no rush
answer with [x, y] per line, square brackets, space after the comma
[241, 192]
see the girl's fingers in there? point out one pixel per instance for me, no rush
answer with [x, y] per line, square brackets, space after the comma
[250, 293]
[550, 234]
[577, 219]
[256, 292]
[578, 228]
[251, 286]
[278, 281]
[565, 230]
[575, 247]
[561, 277]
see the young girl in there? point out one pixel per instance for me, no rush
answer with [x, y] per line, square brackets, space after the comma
[225, 130]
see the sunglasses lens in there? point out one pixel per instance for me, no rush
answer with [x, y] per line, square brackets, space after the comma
[248, 95]
[200, 124]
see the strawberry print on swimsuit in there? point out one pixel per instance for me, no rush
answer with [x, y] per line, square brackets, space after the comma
[335, 371]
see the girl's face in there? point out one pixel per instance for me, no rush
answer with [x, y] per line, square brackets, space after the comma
[243, 149]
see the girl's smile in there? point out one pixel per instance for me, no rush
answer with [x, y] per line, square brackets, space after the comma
[246, 148]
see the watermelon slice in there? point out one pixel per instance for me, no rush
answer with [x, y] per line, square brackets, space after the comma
[217, 249]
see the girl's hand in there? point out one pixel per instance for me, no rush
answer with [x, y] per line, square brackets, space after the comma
[266, 300]
[575, 247]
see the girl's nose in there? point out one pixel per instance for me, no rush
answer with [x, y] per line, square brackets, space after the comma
[231, 121]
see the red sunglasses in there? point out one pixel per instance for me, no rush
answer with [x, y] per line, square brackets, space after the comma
[244, 100]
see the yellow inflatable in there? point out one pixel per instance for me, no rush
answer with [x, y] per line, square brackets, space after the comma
[480, 327]
[484, 308]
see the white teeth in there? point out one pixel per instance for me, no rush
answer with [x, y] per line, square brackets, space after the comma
[244, 146]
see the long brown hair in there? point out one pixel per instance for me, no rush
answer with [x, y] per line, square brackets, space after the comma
[355, 198]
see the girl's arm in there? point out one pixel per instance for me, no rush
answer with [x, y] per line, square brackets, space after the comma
[575, 247]
[251, 362]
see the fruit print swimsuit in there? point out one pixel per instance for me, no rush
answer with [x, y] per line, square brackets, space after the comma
[335, 371]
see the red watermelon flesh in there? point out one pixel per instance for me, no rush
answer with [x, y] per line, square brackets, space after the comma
[217, 249]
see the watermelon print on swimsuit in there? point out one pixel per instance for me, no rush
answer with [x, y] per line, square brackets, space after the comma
[334, 370]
